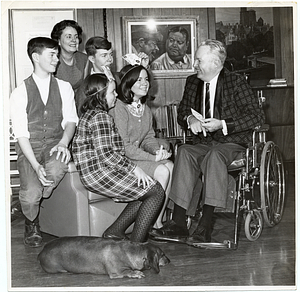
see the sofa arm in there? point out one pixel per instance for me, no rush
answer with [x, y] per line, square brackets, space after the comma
[72, 167]
[66, 212]
[92, 197]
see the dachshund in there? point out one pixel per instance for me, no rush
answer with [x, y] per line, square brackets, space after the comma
[96, 255]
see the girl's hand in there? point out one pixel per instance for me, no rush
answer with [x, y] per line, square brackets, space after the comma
[142, 177]
[162, 154]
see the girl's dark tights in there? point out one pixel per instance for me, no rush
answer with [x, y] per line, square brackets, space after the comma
[143, 212]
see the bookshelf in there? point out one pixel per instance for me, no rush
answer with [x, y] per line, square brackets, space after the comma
[14, 174]
[166, 123]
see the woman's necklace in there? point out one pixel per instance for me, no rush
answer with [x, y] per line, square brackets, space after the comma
[136, 108]
[69, 61]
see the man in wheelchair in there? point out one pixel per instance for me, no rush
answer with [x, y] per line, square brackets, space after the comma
[227, 111]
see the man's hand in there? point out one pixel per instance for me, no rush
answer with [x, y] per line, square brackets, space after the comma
[195, 125]
[41, 173]
[212, 125]
[62, 150]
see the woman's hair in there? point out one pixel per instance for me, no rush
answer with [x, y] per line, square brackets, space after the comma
[95, 87]
[129, 75]
[96, 43]
[60, 26]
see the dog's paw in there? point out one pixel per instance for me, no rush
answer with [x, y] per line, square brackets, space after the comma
[130, 274]
[136, 274]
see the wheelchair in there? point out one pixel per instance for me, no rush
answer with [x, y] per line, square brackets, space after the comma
[258, 193]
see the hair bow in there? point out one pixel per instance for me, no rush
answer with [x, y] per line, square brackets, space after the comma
[132, 59]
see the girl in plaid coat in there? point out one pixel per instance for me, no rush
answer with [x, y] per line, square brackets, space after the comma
[99, 155]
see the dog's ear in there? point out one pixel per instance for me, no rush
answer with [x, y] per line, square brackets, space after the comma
[153, 261]
[155, 264]
[147, 265]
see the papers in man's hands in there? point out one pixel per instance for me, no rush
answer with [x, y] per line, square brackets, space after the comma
[200, 118]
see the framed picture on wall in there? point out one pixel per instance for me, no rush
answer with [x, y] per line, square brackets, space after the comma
[169, 42]
[22, 30]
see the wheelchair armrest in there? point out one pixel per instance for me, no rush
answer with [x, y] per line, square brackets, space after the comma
[262, 128]
[239, 162]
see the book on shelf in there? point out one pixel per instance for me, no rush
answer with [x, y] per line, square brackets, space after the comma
[166, 117]
[277, 82]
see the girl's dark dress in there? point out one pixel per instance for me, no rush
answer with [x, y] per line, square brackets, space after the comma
[99, 155]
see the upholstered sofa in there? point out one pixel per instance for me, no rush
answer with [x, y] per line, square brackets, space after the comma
[73, 210]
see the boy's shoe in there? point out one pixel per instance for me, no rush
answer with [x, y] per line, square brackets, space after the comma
[32, 235]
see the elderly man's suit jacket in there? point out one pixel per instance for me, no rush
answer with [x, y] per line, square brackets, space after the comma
[235, 102]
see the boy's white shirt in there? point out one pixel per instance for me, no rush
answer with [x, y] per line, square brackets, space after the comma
[19, 100]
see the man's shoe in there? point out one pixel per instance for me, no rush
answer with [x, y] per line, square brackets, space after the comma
[169, 231]
[32, 235]
[202, 234]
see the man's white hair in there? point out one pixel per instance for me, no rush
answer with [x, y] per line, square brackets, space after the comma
[217, 48]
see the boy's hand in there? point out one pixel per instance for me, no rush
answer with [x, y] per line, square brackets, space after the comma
[41, 173]
[62, 150]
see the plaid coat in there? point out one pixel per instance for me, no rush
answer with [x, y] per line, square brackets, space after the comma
[99, 155]
[235, 102]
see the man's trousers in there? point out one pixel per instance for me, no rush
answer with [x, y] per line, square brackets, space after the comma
[211, 161]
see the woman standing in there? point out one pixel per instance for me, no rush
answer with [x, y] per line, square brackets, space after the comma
[73, 65]
[99, 156]
[133, 119]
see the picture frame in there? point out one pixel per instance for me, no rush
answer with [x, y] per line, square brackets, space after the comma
[154, 32]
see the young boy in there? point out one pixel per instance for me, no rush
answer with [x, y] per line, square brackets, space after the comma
[100, 54]
[44, 119]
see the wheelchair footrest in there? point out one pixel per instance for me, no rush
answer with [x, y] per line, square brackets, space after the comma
[227, 244]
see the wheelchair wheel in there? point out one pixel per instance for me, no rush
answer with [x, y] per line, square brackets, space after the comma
[272, 184]
[253, 225]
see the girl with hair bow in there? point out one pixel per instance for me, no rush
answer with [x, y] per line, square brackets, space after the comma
[133, 119]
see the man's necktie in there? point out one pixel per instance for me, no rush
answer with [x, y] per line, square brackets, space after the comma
[207, 102]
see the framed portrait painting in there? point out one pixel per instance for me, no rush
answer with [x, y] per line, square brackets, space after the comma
[169, 42]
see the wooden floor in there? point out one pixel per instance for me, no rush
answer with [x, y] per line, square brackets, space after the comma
[269, 261]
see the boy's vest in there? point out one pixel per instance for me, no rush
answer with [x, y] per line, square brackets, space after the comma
[44, 121]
